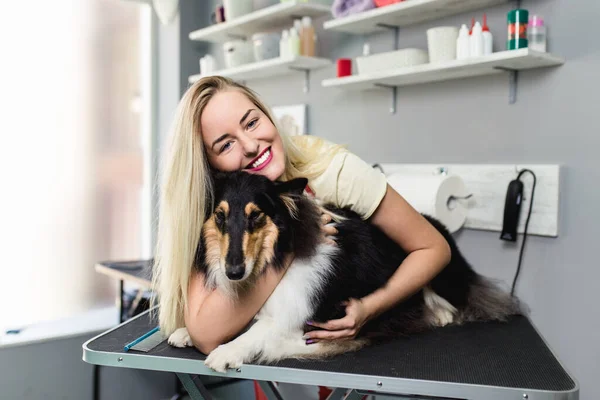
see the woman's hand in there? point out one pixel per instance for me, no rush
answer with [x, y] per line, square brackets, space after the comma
[344, 328]
[328, 228]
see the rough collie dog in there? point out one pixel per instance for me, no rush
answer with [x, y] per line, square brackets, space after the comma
[256, 223]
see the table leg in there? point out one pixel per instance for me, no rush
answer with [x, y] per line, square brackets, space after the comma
[354, 395]
[337, 394]
[121, 305]
[270, 390]
[194, 386]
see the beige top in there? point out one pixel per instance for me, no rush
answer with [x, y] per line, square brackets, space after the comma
[349, 181]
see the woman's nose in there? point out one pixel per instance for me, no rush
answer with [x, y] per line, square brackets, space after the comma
[250, 145]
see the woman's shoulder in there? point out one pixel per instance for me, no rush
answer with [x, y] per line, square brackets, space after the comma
[349, 181]
[310, 142]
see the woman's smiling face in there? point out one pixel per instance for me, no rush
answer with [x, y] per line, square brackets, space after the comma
[237, 135]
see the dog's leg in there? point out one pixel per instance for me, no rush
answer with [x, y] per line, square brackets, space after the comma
[266, 342]
[243, 349]
[441, 312]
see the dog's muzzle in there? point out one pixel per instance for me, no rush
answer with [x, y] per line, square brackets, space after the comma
[235, 272]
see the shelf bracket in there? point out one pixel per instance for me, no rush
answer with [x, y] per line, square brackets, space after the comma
[394, 90]
[306, 87]
[513, 81]
[396, 30]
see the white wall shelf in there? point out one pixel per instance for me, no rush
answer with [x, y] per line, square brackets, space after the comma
[403, 14]
[266, 19]
[272, 67]
[510, 60]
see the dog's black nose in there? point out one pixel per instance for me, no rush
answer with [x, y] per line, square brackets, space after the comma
[235, 272]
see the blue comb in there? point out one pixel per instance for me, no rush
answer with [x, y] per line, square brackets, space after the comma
[147, 341]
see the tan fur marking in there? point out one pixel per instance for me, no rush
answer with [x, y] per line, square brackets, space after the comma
[290, 204]
[266, 246]
[217, 243]
[223, 205]
[258, 245]
[251, 207]
[328, 349]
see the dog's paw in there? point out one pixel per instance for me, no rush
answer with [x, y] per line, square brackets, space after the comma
[225, 356]
[443, 317]
[180, 338]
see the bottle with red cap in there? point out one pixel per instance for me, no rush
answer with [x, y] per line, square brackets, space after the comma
[487, 37]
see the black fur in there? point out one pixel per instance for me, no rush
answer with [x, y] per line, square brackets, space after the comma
[366, 260]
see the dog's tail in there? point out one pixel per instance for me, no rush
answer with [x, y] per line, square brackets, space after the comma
[488, 301]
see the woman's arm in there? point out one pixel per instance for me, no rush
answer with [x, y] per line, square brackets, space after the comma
[428, 253]
[212, 318]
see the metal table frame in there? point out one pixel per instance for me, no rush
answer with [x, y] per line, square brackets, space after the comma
[359, 385]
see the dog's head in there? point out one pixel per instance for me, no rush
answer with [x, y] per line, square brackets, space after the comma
[241, 234]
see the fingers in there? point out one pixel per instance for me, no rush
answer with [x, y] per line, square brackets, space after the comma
[325, 218]
[329, 230]
[335, 324]
[315, 336]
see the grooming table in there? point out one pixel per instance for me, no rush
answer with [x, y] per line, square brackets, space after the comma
[487, 361]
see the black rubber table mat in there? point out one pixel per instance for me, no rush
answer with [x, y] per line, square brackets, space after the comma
[508, 354]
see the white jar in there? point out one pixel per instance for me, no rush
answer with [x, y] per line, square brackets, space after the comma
[237, 52]
[237, 8]
[441, 43]
[266, 45]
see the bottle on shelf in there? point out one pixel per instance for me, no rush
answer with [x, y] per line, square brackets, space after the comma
[476, 41]
[294, 43]
[487, 37]
[462, 43]
[284, 46]
[308, 37]
[298, 27]
[536, 33]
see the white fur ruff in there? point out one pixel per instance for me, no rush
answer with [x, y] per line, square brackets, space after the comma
[278, 330]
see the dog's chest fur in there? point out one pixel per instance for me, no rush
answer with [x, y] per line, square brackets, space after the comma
[295, 298]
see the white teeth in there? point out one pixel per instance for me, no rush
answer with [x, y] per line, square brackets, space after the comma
[262, 159]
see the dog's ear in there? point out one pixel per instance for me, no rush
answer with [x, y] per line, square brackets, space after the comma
[291, 187]
[266, 203]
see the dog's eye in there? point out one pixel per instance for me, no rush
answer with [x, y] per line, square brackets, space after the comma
[220, 218]
[255, 219]
[254, 216]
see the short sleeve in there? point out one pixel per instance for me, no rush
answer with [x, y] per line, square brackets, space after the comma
[351, 182]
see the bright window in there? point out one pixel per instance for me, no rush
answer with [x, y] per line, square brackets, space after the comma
[75, 155]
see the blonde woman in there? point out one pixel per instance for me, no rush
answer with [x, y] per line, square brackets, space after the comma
[222, 125]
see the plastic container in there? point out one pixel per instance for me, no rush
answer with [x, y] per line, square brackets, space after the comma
[441, 43]
[294, 43]
[298, 27]
[344, 67]
[266, 45]
[462, 43]
[237, 8]
[260, 4]
[476, 41]
[517, 29]
[391, 60]
[488, 40]
[308, 38]
[536, 33]
[237, 52]
[284, 44]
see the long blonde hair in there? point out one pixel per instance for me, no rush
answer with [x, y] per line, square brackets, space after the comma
[186, 192]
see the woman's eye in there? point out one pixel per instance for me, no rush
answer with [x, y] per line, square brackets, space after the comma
[252, 123]
[226, 146]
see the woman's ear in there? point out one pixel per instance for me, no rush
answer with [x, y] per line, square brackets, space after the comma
[291, 187]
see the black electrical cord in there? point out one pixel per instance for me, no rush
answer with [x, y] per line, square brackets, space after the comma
[512, 290]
